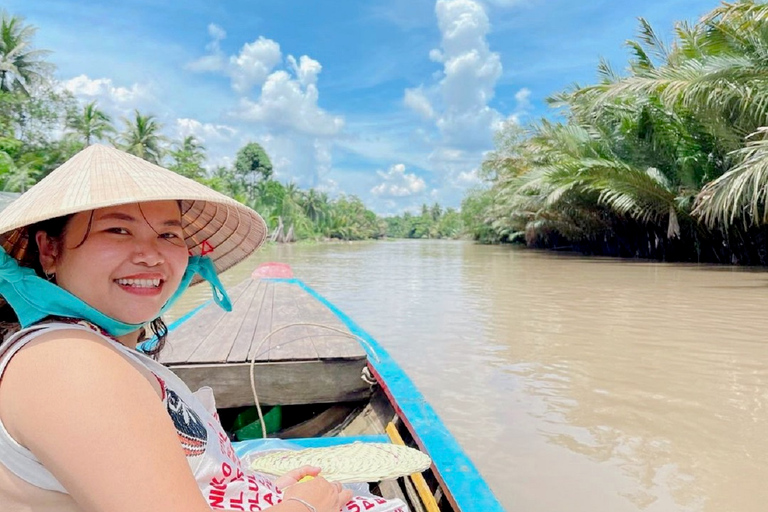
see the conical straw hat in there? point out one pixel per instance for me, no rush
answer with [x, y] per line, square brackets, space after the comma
[214, 225]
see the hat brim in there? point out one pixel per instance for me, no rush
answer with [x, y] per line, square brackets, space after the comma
[214, 225]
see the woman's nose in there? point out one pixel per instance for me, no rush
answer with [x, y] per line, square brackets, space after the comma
[148, 253]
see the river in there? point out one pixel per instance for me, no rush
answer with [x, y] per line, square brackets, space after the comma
[574, 384]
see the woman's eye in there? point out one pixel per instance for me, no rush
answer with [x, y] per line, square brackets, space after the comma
[119, 231]
[169, 235]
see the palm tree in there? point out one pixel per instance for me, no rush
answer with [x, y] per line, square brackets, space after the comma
[90, 124]
[188, 157]
[314, 206]
[21, 66]
[19, 176]
[142, 137]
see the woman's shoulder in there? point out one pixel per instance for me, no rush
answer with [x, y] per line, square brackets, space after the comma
[69, 366]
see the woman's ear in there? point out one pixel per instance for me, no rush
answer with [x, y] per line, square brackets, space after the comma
[48, 249]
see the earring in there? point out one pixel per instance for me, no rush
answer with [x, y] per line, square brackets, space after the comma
[50, 277]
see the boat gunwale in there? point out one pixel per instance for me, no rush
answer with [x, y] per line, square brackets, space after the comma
[466, 489]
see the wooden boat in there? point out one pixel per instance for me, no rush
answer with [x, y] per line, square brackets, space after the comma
[331, 381]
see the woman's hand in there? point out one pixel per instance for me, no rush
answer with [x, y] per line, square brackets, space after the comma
[325, 496]
[293, 476]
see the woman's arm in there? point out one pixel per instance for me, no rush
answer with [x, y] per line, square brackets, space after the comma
[100, 428]
[97, 425]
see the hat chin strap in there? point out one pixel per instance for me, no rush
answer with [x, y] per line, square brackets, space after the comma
[33, 298]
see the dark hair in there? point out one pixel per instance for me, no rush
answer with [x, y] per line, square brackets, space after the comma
[55, 229]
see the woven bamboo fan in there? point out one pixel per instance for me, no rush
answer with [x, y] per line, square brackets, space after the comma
[355, 462]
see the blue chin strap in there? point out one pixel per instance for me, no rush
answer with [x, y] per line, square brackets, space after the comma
[33, 298]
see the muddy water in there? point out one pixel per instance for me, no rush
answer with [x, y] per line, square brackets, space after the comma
[574, 384]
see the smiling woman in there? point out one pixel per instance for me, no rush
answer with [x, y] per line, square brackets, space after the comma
[134, 254]
[90, 255]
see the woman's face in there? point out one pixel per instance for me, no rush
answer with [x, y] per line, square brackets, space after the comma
[127, 264]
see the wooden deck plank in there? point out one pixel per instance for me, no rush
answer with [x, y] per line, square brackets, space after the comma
[293, 343]
[185, 339]
[286, 383]
[245, 337]
[328, 343]
[263, 326]
[217, 345]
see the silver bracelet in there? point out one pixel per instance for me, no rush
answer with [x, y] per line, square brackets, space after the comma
[310, 507]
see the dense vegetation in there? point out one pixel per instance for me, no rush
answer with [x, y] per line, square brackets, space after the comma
[666, 161]
[41, 126]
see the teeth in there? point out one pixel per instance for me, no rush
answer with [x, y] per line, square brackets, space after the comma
[139, 283]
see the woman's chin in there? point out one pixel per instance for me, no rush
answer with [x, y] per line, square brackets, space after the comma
[137, 318]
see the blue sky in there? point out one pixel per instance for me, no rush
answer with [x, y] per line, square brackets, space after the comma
[394, 101]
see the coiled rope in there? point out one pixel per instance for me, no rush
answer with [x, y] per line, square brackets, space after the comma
[252, 363]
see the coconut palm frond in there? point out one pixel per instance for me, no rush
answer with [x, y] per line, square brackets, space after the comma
[652, 41]
[741, 192]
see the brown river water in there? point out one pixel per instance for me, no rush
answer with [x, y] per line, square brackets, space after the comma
[574, 384]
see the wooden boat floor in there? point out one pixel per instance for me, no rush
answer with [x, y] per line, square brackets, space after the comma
[294, 363]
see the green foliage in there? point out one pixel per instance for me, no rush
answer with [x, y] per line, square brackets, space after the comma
[31, 111]
[667, 162]
[89, 124]
[21, 66]
[187, 158]
[432, 222]
[141, 137]
[252, 164]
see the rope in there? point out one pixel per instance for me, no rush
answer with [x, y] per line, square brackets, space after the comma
[259, 353]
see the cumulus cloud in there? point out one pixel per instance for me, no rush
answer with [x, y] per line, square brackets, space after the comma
[249, 68]
[306, 70]
[416, 100]
[115, 100]
[470, 73]
[215, 60]
[204, 132]
[286, 103]
[252, 65]
[85, 87]
[468, 178]
[523, 98]
[278, 100]
[397, 183]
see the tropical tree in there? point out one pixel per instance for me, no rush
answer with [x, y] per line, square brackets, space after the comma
[252, 164]
[18, 176]
[141, 137]
[21, 66]
[89, 124]
[188, 156]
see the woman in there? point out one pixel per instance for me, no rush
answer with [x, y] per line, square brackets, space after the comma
[106, 243]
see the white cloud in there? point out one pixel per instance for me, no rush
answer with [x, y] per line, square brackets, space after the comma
[204, 132]
[84, 87]
[416, 100]
[468, 178]
[115, 100]
[435, 55]
[288, 104]
[249, 68]
[523, 98]
[217, 33]
[301, 158]
[397, 183]
[470, 73]
[252, 65]
[306, 70]
[215, 60]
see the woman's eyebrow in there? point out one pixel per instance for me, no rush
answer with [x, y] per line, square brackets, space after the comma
[130, 218]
